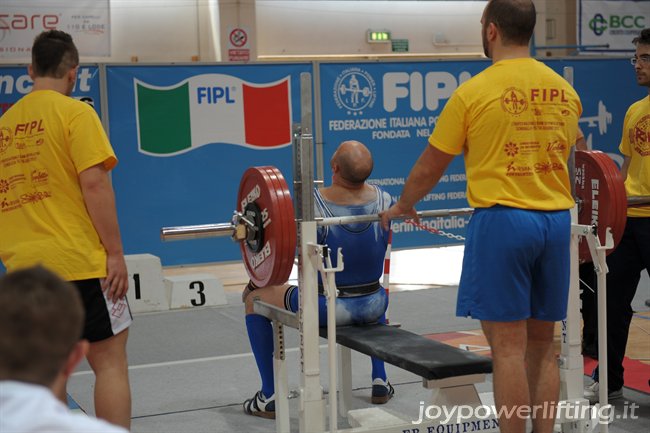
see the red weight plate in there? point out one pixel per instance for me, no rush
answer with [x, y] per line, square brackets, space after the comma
[278, 220]
[619, 204]
[287, 217]
[255, 186]
[268, 267]
[601, 197]
[619, 198]
[288, 222]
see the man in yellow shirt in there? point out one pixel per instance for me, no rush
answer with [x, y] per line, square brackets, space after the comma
[515, 124]
[632, 255]
[57, 208]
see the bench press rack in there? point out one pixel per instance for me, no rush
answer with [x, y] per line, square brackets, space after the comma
[310, 260]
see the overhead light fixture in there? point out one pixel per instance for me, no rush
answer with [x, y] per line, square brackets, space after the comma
[378, 36]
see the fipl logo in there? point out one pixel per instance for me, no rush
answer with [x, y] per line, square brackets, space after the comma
[354, 90]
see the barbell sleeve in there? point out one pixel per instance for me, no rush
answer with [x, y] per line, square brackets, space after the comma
[196, 232]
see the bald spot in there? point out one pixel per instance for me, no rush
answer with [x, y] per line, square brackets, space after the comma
[354, 161]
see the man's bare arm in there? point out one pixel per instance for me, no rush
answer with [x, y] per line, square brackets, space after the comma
[425, 174]
[100, 203]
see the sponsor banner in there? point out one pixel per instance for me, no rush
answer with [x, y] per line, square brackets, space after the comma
[88, 21]
[612, 23]
[184, 136]
[394, 107]
[15, 82]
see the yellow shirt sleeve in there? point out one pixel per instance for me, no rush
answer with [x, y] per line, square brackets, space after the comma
[450, 132]
[89, 144]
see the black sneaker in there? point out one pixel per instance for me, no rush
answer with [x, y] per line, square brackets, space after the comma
[260, 406]
[381, 391]
[592, 393]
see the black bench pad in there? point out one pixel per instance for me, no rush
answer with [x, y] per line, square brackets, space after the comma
[412, 352]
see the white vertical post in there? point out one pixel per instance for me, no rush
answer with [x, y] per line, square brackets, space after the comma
[345, 379]
[312, 404]
[282, 423]
[571, 363]
[603, 380]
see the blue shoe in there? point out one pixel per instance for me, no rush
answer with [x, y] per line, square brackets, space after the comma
[260, 406]
[381, 391]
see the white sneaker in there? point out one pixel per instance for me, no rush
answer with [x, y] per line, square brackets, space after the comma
[591, 393]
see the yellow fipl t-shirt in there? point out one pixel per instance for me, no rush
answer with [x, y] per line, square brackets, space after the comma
[636, 145]
[46, 140]
[515, 122]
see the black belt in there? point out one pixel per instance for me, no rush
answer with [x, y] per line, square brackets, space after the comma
[359, 290]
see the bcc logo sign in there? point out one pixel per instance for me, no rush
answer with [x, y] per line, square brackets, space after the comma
[598, 24]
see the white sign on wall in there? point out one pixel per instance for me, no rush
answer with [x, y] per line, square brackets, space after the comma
[88, 21]
[238, 45]
[612, 23]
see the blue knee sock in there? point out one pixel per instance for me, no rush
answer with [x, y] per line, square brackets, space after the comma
[378, 369]
[260, 334]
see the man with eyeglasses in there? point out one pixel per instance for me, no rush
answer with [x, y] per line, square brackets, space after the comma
[632, 255]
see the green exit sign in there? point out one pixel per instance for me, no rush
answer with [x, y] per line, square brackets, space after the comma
[375, 36]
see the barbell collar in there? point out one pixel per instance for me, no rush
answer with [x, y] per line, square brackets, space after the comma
[196, 232]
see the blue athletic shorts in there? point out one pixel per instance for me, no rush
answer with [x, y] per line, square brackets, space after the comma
[353, 310]
[516, 265]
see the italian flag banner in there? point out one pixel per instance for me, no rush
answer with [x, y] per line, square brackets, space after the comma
[212, 108]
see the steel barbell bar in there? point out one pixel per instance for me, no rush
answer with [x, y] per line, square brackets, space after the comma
[228, 229]
[202, 231]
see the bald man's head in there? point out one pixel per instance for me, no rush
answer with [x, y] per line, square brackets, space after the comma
[354, 162]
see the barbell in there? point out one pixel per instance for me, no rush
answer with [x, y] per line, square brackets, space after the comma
[264, 222]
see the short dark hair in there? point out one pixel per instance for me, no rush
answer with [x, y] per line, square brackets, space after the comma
[41, 320]
[54, 54]
[643, 38]
[515, 19]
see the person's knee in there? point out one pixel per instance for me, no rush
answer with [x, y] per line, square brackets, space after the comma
[248, 303]
[109, 353]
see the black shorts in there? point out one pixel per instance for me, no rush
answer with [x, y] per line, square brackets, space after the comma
[103, 317]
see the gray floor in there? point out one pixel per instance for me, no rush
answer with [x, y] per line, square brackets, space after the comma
[191, 370]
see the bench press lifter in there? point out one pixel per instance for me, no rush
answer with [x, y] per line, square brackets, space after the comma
[361, 298]
[515, 122]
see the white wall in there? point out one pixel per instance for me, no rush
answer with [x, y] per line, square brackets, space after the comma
[287, 27]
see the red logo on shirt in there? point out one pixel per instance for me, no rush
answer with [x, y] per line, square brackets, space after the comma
[511, 149]
[5, 138]
[39, 176]
[514, 101]
[640, 136]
